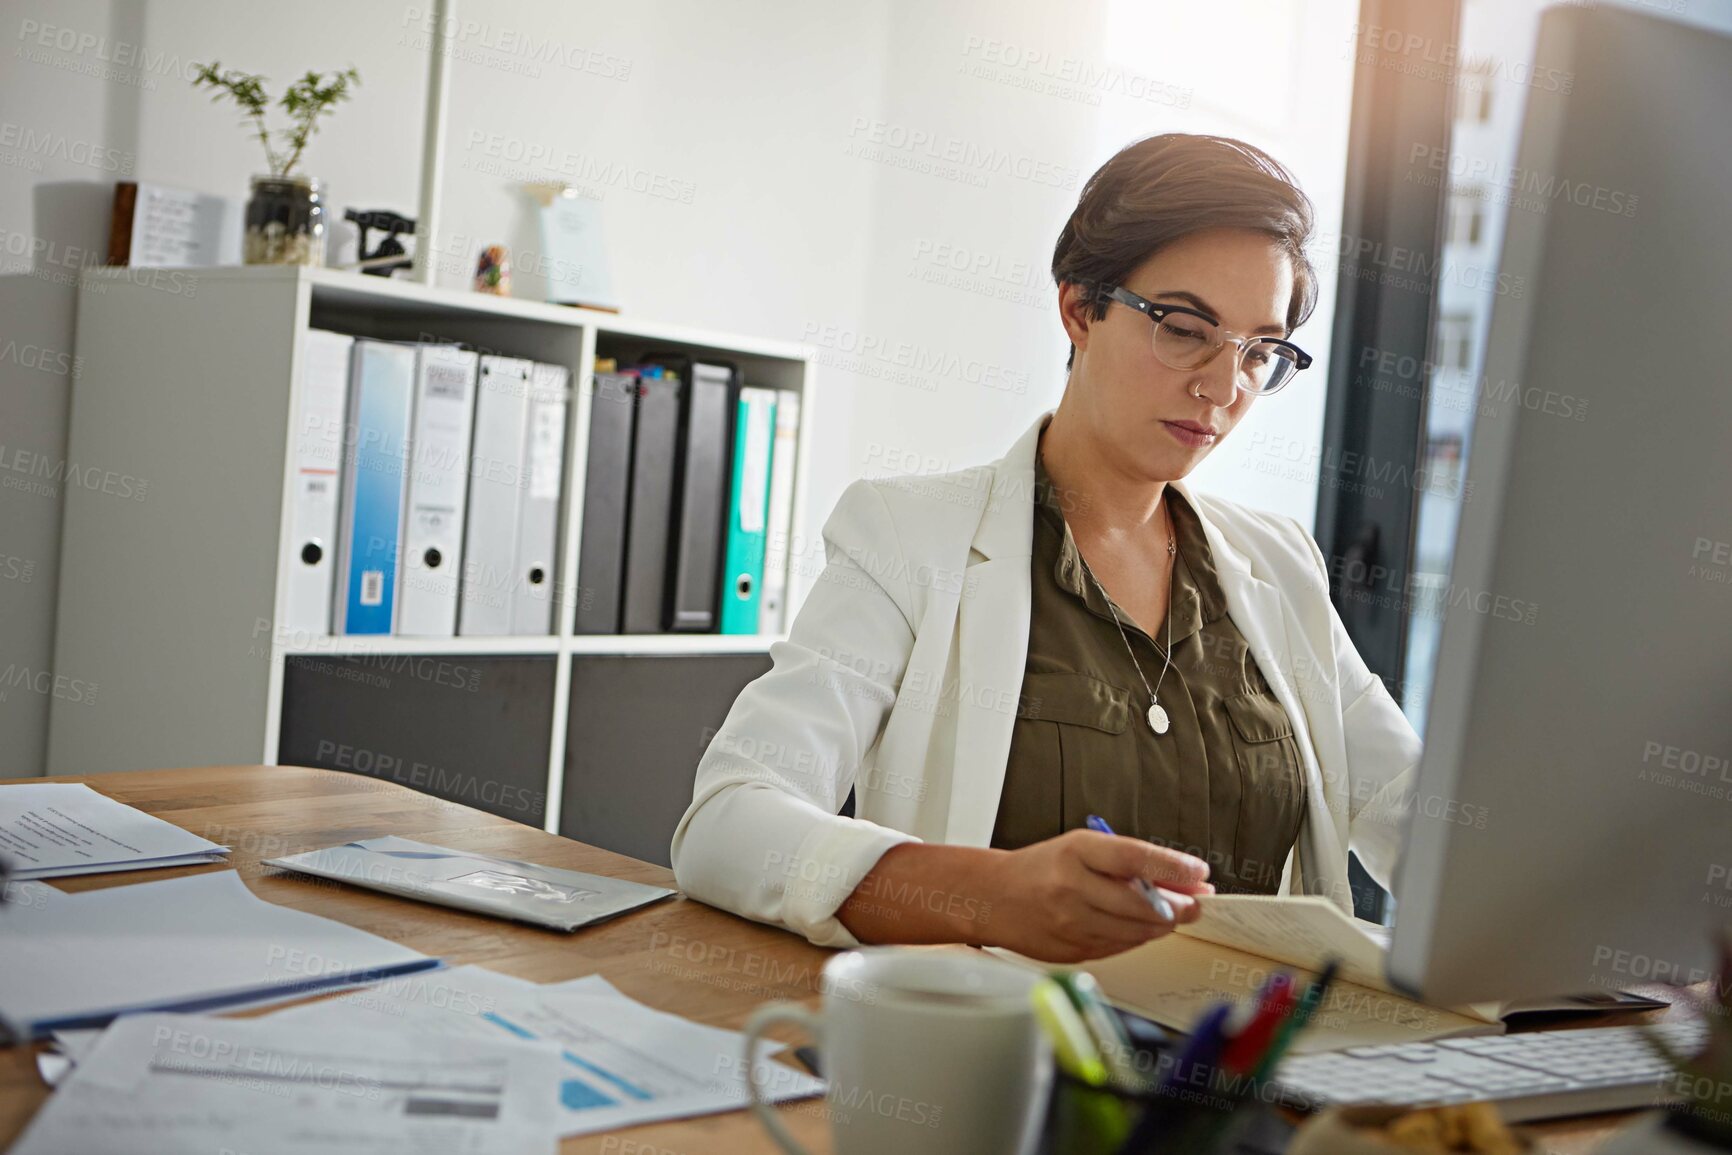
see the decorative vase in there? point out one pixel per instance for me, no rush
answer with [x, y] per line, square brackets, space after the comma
[285, 222]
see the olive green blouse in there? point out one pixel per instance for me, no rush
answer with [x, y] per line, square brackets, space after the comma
[1223, 783]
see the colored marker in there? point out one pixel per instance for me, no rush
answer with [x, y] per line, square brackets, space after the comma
[1302, 1013]
[1109, 1034]
[1252, 1042]
[1204, 1047]
[1071, 1044]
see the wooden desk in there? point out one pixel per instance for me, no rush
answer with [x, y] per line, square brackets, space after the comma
[678, 955]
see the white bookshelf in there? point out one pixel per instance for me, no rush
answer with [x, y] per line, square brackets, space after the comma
[340, 645]
[169, 601]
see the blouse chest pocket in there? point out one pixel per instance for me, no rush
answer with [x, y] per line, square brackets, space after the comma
[1271, 782]
[1076, 700]
[1064, 721]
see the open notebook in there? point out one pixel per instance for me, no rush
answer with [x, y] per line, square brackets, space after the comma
[1229, 952]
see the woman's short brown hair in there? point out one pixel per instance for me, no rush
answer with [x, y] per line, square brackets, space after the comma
[1165, 187]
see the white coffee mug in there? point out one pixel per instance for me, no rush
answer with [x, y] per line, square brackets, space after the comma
[924, 1050]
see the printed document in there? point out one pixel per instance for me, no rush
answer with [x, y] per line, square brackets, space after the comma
[624, 1063]
[168, 1084]
[58, 829]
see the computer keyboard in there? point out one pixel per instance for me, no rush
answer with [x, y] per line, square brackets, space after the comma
[1534, 1075]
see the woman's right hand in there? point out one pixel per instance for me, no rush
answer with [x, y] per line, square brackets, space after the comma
[1072, 898]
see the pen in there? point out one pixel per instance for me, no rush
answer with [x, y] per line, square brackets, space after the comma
[1302, 1013]
[1071, 1044]
[1254, 1039]
[1204, 1046]
[1155, 898]
[1242, 1053]
[1171, 1113]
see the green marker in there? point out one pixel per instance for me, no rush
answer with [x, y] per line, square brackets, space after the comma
[1109, 1034]
[1072, 1046]
[1099, 1113]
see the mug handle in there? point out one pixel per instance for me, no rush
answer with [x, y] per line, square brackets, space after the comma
[762, 1019]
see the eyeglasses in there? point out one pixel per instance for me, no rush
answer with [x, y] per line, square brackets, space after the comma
[1188, 339]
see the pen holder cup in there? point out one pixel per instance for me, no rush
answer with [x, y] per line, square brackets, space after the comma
[1180, 1119]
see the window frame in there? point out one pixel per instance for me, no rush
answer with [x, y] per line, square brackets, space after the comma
[1366, 533]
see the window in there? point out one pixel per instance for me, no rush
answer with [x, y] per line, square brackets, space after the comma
[1473, 93]
[1295, 102]
[1390, 276]
[1454, 342]
[1466, 216]
[1502, 32]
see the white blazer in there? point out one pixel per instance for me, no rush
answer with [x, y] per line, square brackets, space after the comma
[900, 678]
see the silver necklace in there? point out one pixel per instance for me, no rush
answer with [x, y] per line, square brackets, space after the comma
[1158, 720]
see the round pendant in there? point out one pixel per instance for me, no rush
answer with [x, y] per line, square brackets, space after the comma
[1157, 718]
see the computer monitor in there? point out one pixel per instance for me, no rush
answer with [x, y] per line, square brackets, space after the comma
[1573, 828]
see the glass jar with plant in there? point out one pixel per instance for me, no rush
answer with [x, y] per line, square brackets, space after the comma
[285, 221]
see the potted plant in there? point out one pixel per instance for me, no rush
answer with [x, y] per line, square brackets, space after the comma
[285, 222]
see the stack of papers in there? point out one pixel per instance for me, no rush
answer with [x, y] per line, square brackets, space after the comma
[623, 1063]
[503, 887]
[169, 1084]
[185, 944]
[57, 829]
[614, 1062]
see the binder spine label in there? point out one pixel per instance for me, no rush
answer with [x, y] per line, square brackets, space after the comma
[375, 477]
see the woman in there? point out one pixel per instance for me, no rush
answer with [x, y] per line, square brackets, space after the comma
[992, 656]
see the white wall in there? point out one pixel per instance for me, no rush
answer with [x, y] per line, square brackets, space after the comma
[811, 217]
[981, 78]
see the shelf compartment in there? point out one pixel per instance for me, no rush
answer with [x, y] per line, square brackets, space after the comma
[474, 730]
